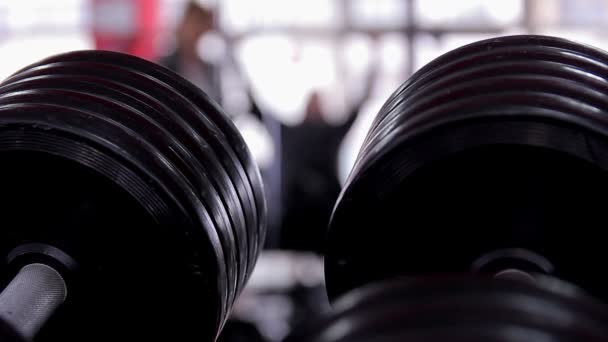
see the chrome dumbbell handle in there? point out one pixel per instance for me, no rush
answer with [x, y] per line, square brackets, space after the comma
[30, 299]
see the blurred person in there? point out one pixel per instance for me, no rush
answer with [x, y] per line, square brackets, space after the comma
[196, 21]
[310, 180]
[261, 133]
[310, 185]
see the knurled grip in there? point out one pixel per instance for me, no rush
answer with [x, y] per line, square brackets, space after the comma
[31, 297]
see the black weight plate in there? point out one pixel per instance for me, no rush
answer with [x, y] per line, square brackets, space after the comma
[436, 286]
[436, 148]
[522, 106]
[487, 333]
[460, 307]
[464, 315]
[186, 110]
[461, 57]
[71, 206]
[584, 101]
[486, 69]
[431, 307]
[166, 146]
[204, 104]
[590, 63]
[488, 57]
[495, 56]
[127, 77]
[455, 192]
[222, 182]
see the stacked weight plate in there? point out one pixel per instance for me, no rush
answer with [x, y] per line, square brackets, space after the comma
[499, 144]
[162, 197]
[460, 309]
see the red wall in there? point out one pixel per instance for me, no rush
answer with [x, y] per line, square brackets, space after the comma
[129, 26]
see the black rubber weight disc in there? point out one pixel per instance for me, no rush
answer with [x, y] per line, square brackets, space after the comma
[513, 49]
[146, 251]
[206, 106]
[187, 111]
[465, 100]
[588, 63]
[457, 192]
[473, 54]
[198, 174]
[461, 309]
[468, 162]
[158, 142]
[498, 62]
[79, 197]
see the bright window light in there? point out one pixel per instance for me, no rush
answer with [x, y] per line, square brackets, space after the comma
[469, 12]
[284, 79]
[20, 51]
[393, 53]
[378, 13]
[275, 77]
[241, 15]
[41, 15]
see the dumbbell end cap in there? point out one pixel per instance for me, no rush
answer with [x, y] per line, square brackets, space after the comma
[42, 253]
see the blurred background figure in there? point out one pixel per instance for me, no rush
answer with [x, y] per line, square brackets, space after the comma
[310, 171]
[185, 59]
[310, 179]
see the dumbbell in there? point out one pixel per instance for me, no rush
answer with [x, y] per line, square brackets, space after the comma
[490, 160]
[460, 308]
[475, 197]
[131, 206]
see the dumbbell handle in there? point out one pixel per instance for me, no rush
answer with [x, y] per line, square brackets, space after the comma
[31, 298]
